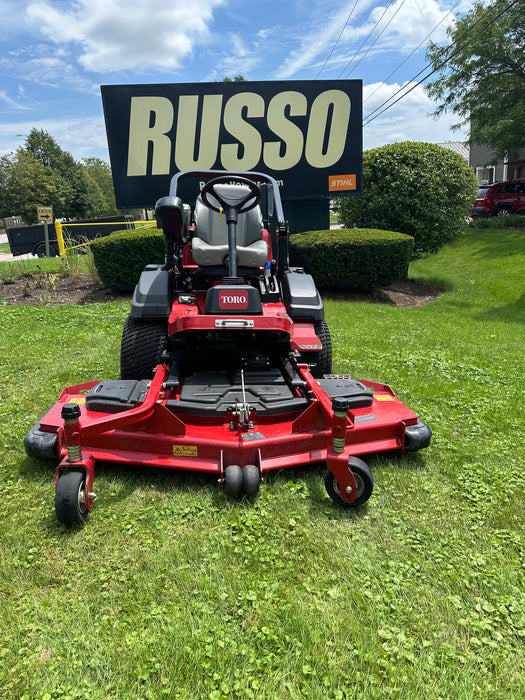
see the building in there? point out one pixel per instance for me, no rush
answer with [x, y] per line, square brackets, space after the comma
[480, 158]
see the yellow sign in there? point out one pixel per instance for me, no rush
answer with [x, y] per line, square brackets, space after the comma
[45, 213]
[185, 450]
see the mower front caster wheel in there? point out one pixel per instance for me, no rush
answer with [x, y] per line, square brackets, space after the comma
[237, 481]
[71, 498]
[251, 479]
[364, 482]
[232, 481]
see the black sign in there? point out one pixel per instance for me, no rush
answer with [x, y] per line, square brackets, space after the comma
[306, 134]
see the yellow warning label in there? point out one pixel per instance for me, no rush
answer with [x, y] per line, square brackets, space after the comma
[79, 400]
[384, 397]
[185, 451]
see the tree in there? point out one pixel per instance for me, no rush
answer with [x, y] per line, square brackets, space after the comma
[100, 172]
[83, 197]
[482, 75]
[421, 189]
[26, 184]
[237, 79]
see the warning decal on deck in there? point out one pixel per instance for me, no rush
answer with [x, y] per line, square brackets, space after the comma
[185, 451]
[384, 397]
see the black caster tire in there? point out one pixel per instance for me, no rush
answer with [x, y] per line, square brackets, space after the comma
[364, 482]
[251, 479]
[71, 498]
[232, 482]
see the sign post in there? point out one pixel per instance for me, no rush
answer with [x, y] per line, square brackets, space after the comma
[45, 214]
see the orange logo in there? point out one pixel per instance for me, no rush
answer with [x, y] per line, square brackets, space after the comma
[336, 183]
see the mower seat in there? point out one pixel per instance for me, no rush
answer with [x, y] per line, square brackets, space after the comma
[209, 245]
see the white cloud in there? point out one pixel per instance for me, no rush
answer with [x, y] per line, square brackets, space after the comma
[126, 34]
[12, 14]
[82, 137]
[45, 64]
[11, 102]
[240, 59]
[409, 22]
[406, 23]
[315, 41]
[408, 120]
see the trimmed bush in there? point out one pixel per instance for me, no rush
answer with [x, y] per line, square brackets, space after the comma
[421, 189]
[121, 257]
[352, 259]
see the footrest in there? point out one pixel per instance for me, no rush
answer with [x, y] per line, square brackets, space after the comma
[343, 387]
[115, 396]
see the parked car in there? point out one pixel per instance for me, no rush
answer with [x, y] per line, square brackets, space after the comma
[500, 199]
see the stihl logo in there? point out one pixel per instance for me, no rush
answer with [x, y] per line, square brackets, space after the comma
[341, 182]
[227, 300]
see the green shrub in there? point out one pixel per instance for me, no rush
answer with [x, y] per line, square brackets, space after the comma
[512, 221]
[123, 255]
[352, 259]
[421, 189]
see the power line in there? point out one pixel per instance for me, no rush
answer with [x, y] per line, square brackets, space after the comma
[440, 65]
[337, 41]
[377, 37]
[413, 51]
[365, 39]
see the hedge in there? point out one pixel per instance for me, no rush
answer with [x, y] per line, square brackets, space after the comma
[352, 259]
[511, 221]
[121, 257]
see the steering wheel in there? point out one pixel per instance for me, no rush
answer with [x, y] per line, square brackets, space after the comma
[240, 203]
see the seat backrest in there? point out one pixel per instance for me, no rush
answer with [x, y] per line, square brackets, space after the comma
[210, 228]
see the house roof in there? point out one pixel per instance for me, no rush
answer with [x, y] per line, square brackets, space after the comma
[458, 147]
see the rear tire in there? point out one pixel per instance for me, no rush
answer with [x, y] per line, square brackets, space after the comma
[321, 362]
[504, 211]
[143, 343]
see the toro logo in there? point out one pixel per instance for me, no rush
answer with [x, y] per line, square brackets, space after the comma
[233, 300]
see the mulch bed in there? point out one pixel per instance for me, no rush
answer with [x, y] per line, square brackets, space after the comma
[53, 289]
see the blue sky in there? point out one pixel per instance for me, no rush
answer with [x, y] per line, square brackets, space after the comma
[55, 54]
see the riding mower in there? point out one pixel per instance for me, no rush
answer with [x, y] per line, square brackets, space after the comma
[226, 364]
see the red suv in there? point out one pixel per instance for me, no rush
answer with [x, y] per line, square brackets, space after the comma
[500, 199]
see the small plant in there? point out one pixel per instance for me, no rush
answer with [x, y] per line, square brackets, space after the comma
[52, 281]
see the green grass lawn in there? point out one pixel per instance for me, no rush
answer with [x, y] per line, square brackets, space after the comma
[171, 590]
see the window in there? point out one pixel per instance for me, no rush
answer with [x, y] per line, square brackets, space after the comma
[486, 175]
